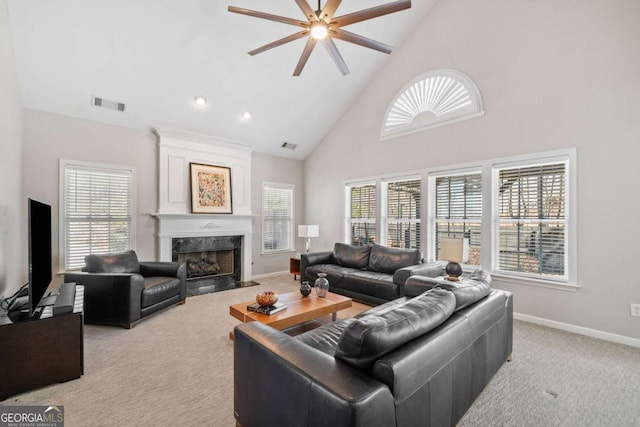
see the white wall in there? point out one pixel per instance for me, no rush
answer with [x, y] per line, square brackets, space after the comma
[13, 265]
[553, 74]
[266, 168]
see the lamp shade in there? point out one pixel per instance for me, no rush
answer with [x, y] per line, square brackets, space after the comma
[453, 249]
[308, 231]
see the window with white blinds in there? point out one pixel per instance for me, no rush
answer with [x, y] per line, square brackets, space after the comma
[362, 213]
[97, 217]
[403, 213]
[277, 217]
[456, 201]
[531, 220]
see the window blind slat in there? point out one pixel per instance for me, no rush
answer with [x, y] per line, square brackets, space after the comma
[98, 212]
[403, 213]
[277, 221]
[362, 219]
[458, 211]
[532, 219]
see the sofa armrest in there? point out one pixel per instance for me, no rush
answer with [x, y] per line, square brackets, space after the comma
[163, 269]
[110, 298]
[313, 259]
[167, 269]
[431, 269]
[416, 285]
[278, 379]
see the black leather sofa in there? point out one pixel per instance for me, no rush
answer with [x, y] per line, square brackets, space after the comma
[373, 274]
[420, 360]
[120, 290]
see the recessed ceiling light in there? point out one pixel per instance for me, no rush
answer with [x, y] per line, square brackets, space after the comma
[200, 101]
[246, 115]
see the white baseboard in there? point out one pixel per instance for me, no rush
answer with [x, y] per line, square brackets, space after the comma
[607, 336]
[264, 276]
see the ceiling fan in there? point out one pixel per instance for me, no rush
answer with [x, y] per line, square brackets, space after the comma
[322, 26]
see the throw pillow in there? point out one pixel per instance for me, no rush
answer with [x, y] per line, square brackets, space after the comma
[369, 337]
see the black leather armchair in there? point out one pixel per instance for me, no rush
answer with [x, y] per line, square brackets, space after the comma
[120, 290]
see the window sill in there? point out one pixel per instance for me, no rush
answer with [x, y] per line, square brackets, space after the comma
[527, 281]
[283, 252]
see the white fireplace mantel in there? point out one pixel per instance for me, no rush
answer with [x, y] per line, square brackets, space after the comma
[176, 150]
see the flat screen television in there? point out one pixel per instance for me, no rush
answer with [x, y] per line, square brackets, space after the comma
[40, 261]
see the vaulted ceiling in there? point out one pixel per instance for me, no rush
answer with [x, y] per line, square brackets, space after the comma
[155, 56]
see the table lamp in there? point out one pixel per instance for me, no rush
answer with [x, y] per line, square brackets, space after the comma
[455, 251]
[308, 231]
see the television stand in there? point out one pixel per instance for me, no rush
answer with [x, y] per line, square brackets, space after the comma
[40, 352]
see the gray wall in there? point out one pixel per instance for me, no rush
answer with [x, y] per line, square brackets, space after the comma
[13, 267]
[553, 74]
[50, 137]
[266, 168]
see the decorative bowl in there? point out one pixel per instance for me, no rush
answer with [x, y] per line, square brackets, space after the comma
[266, 298]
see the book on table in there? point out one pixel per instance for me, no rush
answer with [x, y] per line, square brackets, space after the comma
[270, 309]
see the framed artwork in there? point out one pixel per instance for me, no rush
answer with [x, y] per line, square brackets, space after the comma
[210, 189]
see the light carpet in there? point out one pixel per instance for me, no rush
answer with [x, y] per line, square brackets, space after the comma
[176, 368]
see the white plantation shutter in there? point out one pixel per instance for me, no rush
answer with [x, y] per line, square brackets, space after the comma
[98, 211]
[277, 217]
[532, 221]
[457, 203]
[362, 214]
[403, 213]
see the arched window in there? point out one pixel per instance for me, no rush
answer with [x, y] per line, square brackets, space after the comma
[433, 99]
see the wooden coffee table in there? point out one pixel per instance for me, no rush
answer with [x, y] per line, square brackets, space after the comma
[299, 310]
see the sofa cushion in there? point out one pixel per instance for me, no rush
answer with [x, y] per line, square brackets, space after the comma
[351, 256]
[470, 289]
[371, 336]
[126, 262]
[388, 260]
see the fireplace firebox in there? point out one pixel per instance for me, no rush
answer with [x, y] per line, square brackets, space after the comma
[213, 262]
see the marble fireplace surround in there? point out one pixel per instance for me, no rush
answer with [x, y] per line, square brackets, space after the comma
[195, 247]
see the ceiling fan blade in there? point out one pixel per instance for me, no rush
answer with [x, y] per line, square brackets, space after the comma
[335, 55]
[361, 40]
[282, 41]
[308, 48]
[330, 8]
[306, 9]
[268, 16]
[372, 12]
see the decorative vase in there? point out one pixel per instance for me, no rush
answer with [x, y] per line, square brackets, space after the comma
[321, 285]
[305, 288]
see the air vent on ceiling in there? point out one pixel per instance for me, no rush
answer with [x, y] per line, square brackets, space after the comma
[105, 103]
[289, 145]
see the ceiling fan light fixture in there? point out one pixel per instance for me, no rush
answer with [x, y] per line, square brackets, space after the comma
[323, 25]
[319, 31]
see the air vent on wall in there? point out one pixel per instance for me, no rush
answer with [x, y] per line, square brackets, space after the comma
[289, 145]
[105, 103]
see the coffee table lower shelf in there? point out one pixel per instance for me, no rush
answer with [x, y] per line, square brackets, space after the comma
[299, 311]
